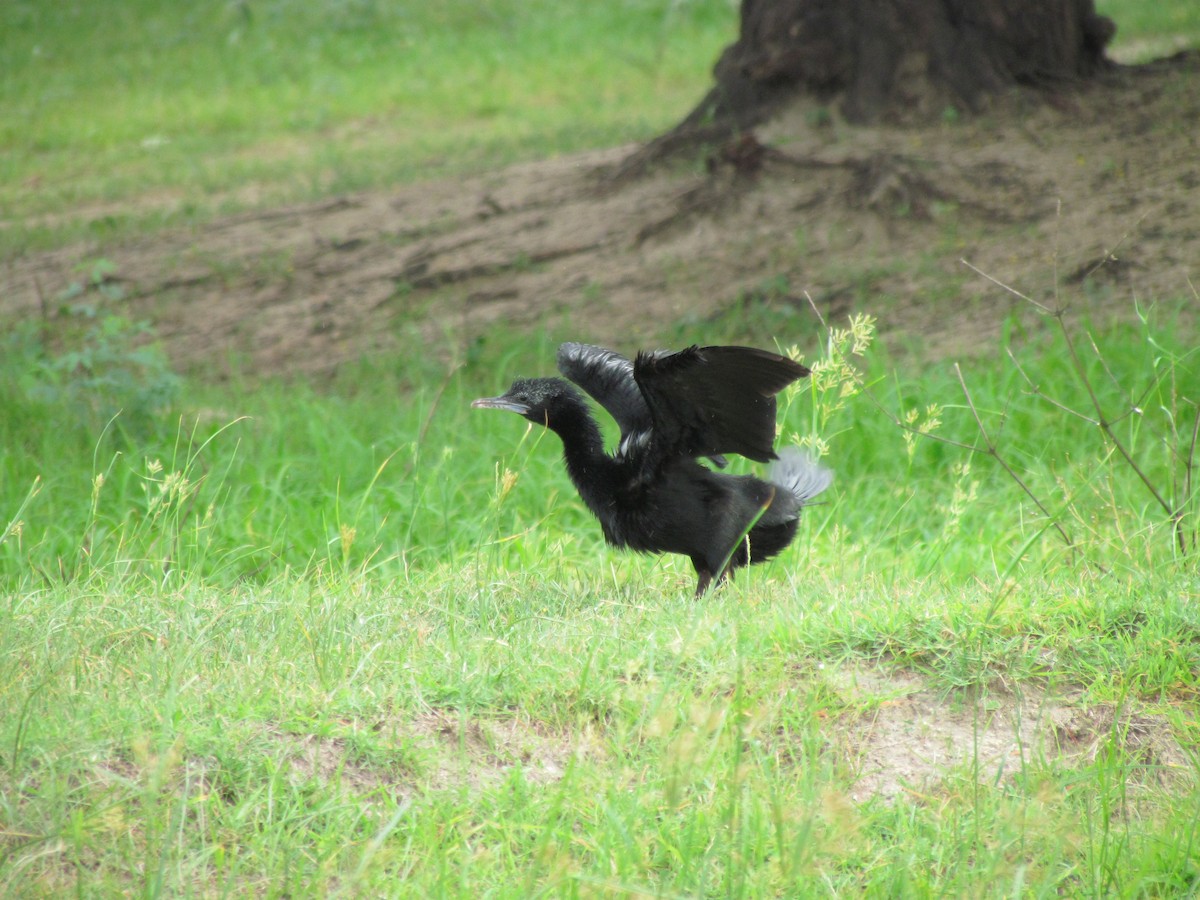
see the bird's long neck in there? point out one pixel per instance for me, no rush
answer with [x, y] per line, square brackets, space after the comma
[589, 467]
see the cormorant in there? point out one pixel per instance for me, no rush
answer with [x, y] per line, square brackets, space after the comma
[652, 494]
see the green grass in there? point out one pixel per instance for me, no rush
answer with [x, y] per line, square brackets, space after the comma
[1146, 31]
[183, 108]
[367, 642]
[260, 639]
[125, 116]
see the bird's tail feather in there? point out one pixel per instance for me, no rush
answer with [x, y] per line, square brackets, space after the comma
[799, 474]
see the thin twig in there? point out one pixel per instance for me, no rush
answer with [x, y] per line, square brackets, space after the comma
[1012, 290]
[1189, 468]
[812, 303]
[992, 451]
[1036, 391]
[433, 407]
[1134, 409]
[1100, 420]
[1106, 427]
[1057, 237]
[1112, 254]
[1103, 362]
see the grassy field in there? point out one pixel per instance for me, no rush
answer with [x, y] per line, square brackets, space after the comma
[367, 642]
[230, 104]
[127, 116]
[264, 639]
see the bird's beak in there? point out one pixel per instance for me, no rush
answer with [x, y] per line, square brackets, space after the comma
[504, 403]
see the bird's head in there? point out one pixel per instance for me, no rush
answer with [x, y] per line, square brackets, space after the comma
[546, 401]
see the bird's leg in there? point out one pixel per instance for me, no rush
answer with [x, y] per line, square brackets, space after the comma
[733, 560]
[704, 579]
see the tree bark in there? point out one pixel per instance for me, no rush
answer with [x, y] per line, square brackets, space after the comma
[890, 59]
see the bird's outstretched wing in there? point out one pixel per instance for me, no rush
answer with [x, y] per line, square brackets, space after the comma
[608, 377]
[705, 401]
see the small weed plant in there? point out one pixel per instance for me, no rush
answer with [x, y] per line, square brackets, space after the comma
[87, 355]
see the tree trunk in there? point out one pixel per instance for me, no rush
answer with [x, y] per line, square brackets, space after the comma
[890, 59]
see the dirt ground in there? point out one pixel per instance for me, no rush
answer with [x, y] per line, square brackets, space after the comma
[1093, 197]
[898, 738]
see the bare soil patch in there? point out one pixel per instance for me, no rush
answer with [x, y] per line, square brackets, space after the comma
[909, 737]
[448, 751]
[1095, 196]
[902, 738]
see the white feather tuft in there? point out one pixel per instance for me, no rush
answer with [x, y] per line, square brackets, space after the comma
[797, 472]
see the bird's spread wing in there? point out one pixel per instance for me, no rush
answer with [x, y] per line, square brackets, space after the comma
[705, 401]
[608, 377]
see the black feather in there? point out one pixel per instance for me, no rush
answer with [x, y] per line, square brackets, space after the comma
[706, 400]
[651, 494]
[608, 377]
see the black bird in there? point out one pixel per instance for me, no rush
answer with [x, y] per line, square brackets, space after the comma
[652, 494]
